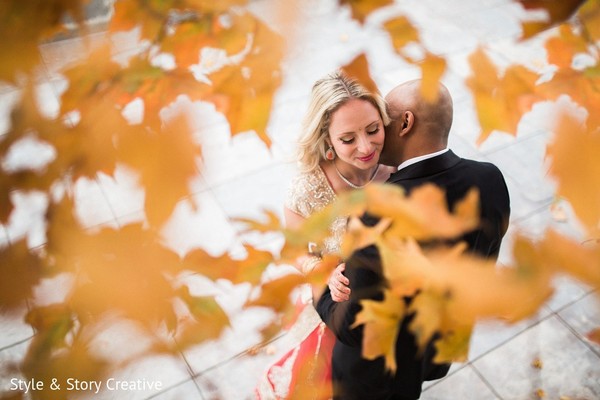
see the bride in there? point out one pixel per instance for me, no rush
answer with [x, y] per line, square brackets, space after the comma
[339, 150]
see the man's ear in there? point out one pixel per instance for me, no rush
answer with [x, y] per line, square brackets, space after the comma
[407, 122]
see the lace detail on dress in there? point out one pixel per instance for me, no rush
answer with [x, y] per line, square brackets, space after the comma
[310, 192]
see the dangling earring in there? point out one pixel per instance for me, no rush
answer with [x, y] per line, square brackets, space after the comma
[330, 153]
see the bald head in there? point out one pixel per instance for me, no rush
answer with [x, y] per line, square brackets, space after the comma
[418, 126]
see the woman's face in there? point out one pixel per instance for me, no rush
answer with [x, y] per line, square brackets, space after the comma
[357, 133]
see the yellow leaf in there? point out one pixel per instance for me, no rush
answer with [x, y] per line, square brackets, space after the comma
[249, 269]
[589, 15]
[24, 25]
[381, 320]
[20, 272]
[402, 32]
[424, 215]
[563, 48]
[570, 257]
[574, 164]
[429, 309]
[362, 8]
[432, 69]
[453, 346]
[211, 6]
[244, 92]
[558, 11]
[358, 235]
[500, 100]
[405, 267]
[208, 314]
[166, 162]
[130, 13]
[275, 294]
[358, 69]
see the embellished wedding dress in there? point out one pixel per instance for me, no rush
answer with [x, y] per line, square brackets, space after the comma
[313, 341]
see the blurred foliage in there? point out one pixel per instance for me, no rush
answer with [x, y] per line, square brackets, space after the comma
[130, 272]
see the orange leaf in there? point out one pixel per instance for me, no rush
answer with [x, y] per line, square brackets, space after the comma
[26, 24]
[362, 8]
[558, 12]
[500, 100]
[20, 272]
[130, 13]
[275, 294]
[573, 154]
[594, 335]
[244, 92]
[250, 269]
[208, 314]
[563, 48]
[589, 15]
[381, 322]
[402, 32]
[213, 7]
[432, 69]
[358, 69]
[424, 215]
[166, 161]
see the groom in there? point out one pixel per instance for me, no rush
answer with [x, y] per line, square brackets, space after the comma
[416, 142]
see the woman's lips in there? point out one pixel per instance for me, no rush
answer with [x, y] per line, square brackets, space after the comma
[367, 158]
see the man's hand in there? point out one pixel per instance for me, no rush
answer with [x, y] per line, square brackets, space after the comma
[338, 284]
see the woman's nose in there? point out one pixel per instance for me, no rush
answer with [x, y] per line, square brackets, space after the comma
[364, 145]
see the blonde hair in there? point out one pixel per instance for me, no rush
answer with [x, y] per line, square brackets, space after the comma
[329, 94]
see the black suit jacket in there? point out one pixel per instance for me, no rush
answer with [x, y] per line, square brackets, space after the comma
[358, 378]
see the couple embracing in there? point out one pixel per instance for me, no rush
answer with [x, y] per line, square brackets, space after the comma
[353, 137]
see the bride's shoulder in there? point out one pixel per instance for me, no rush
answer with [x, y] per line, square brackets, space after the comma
[384, 173]
[309, 191]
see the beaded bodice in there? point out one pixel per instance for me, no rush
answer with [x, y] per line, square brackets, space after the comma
[310, 192]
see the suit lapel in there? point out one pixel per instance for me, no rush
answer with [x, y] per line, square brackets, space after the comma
[426, 168]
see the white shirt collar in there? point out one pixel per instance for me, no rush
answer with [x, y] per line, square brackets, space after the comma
[415, 160]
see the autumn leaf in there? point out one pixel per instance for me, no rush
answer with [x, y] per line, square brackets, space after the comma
[429, 309]
[358, 69]
[213, 7]
[573, 156]
[26, 24]
[208, 315]
[432, 69]
[361, 9]
[125, 270]
[151, 16]
[166, 162]
[86, 83]
[500, 100]
[206, 30]
[589, 15]
[381, 323]
[52, 323]
[568, 256]
[249, 269]
[594, 335]
[558, 11]
[453, 346]
[424, 214]
[563, 48]
[275, 294]
[358, 235]
[20, 272]
[272, 224]
[402, 32]
[244, 92]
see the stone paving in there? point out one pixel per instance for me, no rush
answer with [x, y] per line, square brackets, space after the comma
[239, 177]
